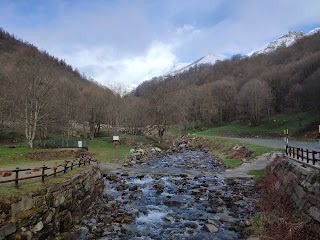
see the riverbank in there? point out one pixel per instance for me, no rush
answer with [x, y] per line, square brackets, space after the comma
[181, 195]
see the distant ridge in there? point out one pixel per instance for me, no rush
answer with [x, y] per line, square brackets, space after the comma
[286, 41]
[207, 59]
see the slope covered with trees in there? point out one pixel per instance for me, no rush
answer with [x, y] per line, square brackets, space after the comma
[284, 81]
[41, 94]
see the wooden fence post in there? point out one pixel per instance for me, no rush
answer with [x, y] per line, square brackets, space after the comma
[17, 178]
[290, 151]
[43, 171]
[55, 169]
[313, 157]
[307, 151]
[65, 167]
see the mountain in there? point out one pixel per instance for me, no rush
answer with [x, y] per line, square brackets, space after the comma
[208, 59]
[286, 40]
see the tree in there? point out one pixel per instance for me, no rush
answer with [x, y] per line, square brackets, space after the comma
[254, 98]
[37, 81]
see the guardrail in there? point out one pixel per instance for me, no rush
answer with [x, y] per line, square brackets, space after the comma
[304, 155]
[56, 169]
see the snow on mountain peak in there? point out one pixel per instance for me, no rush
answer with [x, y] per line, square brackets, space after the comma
[314, 31]
[207, 59]
[286, 41]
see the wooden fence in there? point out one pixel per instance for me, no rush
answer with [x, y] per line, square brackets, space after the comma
[309, 156]
[56, 169]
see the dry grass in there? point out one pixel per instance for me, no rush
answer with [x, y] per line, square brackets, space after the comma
[279, 219]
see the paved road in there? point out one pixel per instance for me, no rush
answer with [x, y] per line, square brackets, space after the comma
[279, 143]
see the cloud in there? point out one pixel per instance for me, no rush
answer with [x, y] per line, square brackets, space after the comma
[108, 68]
[132, 41]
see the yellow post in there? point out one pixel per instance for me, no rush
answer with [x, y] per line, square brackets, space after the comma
[287, 131]
[319, 128]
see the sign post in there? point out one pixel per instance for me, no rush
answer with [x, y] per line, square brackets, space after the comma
[286, 136]
[319, 135]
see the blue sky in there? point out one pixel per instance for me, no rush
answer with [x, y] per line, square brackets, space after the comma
[123, 42]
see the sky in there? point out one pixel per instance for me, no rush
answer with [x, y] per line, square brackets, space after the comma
[126, 42]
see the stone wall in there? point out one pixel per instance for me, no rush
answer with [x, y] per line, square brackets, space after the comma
[51, 211]
[301, 185]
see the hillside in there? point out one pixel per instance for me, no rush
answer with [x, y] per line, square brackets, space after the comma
[41, 94]
[285, 80]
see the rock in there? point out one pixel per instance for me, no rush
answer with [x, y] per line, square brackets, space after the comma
[193, 225]
[133, 188]
[210, 228]
[195, 192]
[38, 227]
[204, 184]
[172, 203]
[168, 218]
[25, 204]
[112, 177]
[7, 230]
[159, 187]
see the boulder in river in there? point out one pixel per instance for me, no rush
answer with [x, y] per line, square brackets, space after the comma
[210, 228]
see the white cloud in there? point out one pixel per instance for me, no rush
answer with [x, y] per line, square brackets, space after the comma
[105, 66]
[133, 41]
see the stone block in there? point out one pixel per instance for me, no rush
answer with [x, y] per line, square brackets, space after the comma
[26, 203]
[299, 191]
[304, 171]
[6, 230]
[314, 212]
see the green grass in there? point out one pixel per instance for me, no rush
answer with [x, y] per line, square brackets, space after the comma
[232, 163]
[8, 190]
[17, 150]
[227, 144]
[104, 150]
[258, 174]
[222, 147]
[267, 127]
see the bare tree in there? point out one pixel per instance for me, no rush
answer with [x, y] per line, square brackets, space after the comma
[254, 98]
[38, 83]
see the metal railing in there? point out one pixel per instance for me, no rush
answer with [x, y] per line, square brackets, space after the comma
[55, 169]
[304, 155]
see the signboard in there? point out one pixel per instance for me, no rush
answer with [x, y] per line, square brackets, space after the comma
[116, 138]
[80, 144]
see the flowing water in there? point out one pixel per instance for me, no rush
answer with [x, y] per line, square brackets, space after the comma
[179, 196]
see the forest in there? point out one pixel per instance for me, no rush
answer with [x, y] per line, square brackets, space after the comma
[41, 94]
[246, 88]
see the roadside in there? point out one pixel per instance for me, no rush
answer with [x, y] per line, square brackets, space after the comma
[277, 142]
[243, 171]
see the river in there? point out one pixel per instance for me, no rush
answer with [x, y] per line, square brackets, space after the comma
[177, 196]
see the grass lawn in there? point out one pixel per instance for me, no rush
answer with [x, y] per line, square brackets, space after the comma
[267, 127]
[258, 174]
[8, 190]
[221, 147]
[104, 150]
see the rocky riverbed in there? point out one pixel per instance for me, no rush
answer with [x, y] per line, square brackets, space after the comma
[178, 196]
